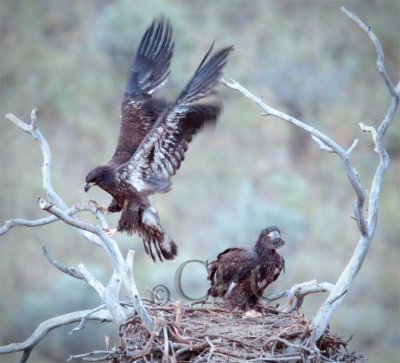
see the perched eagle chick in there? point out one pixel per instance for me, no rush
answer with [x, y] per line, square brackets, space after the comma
[154, 136]
[240, 275]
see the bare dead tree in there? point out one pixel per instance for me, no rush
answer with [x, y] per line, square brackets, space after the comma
[366, 217]
[112, 309]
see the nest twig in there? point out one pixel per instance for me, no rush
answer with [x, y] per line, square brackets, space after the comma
[214, 334]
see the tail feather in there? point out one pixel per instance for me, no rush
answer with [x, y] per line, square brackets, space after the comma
[150, 66]
[158, 246]
[218, 286]
[146, 223]
[156, 242]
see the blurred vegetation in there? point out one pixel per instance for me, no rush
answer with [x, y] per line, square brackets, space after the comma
[70, 59]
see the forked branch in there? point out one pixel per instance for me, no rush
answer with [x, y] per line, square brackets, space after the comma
[296, 294]
[122, 274]
[47, 326]
[367, 226]
[76, 208]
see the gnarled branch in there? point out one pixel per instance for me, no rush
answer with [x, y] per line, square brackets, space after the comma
[47, 183]
[76, 208]
[324, 314]
[295, 295]
[325, 143]
[367, 227]
[67, 270]
[122, 274]
[47, 326]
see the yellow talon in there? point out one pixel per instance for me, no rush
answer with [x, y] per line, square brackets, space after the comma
[110, 231]
[101, 208]
[252, 314]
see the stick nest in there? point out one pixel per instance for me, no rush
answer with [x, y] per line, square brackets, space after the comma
[214, 334]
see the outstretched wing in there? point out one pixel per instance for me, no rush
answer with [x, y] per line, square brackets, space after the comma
[150, 66]
[162, 151]
[150, 69]
[231, 267]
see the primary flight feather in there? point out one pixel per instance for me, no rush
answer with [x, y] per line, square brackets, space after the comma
[154, 136]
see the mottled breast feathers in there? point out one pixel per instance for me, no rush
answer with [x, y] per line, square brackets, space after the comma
[240, 275]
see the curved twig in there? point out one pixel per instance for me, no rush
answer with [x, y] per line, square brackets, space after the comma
[367, 227]
[67, 270]
[76, 208]
[95, 356]
[335, 298]
[47, 184]
[113, 288]
[85, 318]
[212, 349]
[47, 326]
[109, 294]
[325, 143]
[378, 47]
[297, 293]
[25, 222]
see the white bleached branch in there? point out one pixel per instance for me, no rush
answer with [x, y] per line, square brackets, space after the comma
[47, 326]
[299, 291]
[335, 298]
[47, 183]
[76, 208]
[367, 227]
[295, 295]
[92, 281]
[322, 145]
[67, 270]
[134, 293]
[116, 310]
[325, 143]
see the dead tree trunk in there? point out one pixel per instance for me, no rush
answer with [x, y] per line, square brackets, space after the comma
[366, 218]
[112, 308]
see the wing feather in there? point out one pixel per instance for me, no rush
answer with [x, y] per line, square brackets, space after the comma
[231, 266]
[150, 66]
[150, 69]
[167, 142]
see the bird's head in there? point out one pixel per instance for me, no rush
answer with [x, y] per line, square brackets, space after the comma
[271, 237]
[101, 176]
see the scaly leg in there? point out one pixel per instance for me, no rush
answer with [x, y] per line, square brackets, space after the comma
[101, 208]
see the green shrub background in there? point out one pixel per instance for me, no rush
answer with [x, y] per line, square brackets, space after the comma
[70, 59]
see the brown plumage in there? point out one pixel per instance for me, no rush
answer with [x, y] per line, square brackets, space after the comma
[240, 275]
[154, 136]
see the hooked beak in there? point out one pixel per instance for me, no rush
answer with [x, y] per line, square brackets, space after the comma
[274, 235]
[88, 186]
